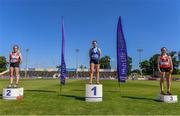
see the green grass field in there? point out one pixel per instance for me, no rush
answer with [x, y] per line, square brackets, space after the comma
[176, 75]
[42, 97]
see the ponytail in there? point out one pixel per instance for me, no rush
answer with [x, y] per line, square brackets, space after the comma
[19, 51]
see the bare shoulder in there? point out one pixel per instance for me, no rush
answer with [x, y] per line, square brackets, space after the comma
[170, 57]
[10, 54]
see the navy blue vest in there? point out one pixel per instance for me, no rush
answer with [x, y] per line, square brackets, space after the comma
[95, 54]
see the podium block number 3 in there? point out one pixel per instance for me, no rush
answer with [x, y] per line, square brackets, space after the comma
[94, 90]
[8, 93]
[171, 98]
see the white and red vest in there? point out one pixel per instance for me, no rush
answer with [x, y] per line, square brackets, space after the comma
[165, 61]
[15, 57]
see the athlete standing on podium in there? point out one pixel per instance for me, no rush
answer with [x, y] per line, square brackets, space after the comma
[165, 67]
[15, 59]
[95, 55]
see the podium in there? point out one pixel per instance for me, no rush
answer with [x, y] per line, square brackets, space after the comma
[13, 93]
[94, 92]
[168, 98]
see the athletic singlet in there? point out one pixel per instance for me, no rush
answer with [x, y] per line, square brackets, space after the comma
[14, 57]
[95, 53]
[164, 61]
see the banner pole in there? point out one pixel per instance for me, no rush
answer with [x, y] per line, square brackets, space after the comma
[120, 89]
[60, 89]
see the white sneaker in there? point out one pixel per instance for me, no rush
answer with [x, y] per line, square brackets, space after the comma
[10, 86]
[16, 86]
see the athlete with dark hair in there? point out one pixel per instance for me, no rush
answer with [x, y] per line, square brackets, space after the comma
[95, 55]
[165, 67]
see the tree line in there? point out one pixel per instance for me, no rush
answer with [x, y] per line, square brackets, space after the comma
[149, 66]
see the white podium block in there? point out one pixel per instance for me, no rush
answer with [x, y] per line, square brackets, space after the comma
[94, 92]
[13, 93]
[168, 98]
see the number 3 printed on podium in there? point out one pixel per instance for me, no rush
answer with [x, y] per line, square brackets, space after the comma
[171, 98]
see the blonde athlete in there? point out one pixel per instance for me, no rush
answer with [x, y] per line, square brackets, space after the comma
[15, 59]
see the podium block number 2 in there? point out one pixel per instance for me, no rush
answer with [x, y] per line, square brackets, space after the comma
[94, 90]
[8, 93]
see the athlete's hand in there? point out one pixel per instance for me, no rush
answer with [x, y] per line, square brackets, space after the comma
[20, 62]
[171, 70]
[159, 71]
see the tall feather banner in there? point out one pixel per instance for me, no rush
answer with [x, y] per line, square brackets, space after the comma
[122, 59]
[63, 64]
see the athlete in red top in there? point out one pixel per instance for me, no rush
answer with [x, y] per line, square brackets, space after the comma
[165, 67]
[15, 59]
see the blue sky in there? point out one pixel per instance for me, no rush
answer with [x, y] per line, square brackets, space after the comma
[36, 24]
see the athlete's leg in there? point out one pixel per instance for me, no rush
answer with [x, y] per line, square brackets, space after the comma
[162, 74]
[17, 75]
[91, 72]
[11, 69]
[97, 73]
[168, 80]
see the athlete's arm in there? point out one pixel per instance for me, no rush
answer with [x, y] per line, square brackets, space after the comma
[158, 59]
[100, 52]
[171, 64]
[9, 58]
[21, 59]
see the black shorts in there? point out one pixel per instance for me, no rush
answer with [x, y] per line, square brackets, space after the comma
[94, 61]
[14, 65]
[165, 69]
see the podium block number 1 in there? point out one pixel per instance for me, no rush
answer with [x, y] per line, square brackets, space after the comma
[94, 90]
[8, 93]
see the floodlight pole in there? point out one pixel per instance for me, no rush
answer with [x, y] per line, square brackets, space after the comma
[77, 58]
[178, 60]
[140, 50]
[27, 51]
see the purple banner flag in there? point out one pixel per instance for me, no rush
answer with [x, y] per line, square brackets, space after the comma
[122, 59]
[63, 64]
